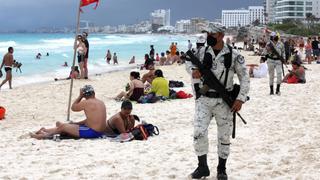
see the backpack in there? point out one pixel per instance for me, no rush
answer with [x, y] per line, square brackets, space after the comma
[175, 84]
[143, 131]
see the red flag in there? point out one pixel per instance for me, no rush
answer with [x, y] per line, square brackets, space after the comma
[87, 2]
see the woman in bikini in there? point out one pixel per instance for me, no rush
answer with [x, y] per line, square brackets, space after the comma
[136, 88]
[121, 122]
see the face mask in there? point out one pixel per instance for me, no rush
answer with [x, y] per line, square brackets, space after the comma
[211, 41]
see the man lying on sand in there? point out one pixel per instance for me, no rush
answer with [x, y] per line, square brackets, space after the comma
[92, 127]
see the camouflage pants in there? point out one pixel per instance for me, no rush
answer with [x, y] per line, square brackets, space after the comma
[274, 64]
[206, 108]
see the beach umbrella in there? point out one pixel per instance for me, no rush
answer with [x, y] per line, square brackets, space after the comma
[82, 3]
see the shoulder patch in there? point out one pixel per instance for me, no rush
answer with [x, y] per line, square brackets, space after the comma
[240, 59]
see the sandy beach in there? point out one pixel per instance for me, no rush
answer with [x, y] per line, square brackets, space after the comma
[280, 141]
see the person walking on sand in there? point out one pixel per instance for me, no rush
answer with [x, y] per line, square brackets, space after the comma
[92, 127]
[85, 65]
[7, 62]
[210, 103]
[273, 50]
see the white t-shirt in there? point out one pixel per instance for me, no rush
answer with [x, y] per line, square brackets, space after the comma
[261, 72]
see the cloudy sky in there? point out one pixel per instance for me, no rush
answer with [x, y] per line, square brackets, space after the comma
[31, 14]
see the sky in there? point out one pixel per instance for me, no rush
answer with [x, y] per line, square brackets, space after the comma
[32, 14]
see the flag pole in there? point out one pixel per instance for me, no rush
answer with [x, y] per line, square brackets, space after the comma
[74, 58]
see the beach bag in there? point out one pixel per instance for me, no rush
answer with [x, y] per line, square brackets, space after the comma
[2, 112]
[143, 131]
[175, 84]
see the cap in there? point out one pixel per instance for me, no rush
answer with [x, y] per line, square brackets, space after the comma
[126, 105]
[87, 90]
[296, 62]
[214, 28]
[201, 39]
[273, 34]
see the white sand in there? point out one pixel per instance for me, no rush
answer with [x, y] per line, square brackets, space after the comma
[281, 140]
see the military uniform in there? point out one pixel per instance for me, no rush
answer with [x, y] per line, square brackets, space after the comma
[207, 107]
[274, 63]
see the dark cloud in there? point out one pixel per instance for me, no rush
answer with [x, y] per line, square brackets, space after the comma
[29, 14]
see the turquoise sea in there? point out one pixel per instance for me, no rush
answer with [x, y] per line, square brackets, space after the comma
[60, 49]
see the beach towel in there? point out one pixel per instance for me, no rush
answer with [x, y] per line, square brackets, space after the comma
[183, 95]
[2, 112]
[149, 98]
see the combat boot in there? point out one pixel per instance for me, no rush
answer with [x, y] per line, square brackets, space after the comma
[202, 169]
[278, 89]
[221, 170]
[271, 90]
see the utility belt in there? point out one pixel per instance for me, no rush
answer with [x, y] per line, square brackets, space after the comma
[273, 58]
[212, 94]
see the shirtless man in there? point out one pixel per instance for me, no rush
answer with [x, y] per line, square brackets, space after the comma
[92, 127]
[7, 62]
[121, 122]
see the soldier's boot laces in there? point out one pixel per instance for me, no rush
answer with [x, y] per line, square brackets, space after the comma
[221, 169]
[278, 89]
[271, 90]
[202, 169]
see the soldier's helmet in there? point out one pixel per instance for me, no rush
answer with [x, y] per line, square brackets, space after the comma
[214, 28]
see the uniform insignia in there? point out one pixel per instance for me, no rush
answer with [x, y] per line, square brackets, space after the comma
[240, 59]
[214, 65]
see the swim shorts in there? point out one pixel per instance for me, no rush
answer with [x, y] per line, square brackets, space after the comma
[86, 132]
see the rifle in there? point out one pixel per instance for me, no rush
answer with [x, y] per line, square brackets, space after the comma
[212, 81]
[278, 55]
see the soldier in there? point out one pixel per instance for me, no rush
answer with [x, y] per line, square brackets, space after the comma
[211, 104]
[273, 50]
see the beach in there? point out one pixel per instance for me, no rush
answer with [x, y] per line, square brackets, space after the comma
[280, 141]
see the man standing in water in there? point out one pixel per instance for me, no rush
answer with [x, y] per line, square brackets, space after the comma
[85, 65]
[8, 62]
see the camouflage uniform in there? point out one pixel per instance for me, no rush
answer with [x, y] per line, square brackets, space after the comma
[274, 62]
[207, 107]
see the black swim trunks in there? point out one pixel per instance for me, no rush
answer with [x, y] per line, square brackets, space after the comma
[80, 58]
[8, 69]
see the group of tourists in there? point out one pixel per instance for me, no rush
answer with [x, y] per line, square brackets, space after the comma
[212, 65]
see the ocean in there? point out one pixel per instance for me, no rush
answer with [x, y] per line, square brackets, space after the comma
[60, 49]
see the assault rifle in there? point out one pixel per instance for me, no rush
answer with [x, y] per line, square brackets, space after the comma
[211, 80]
[274, 51]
